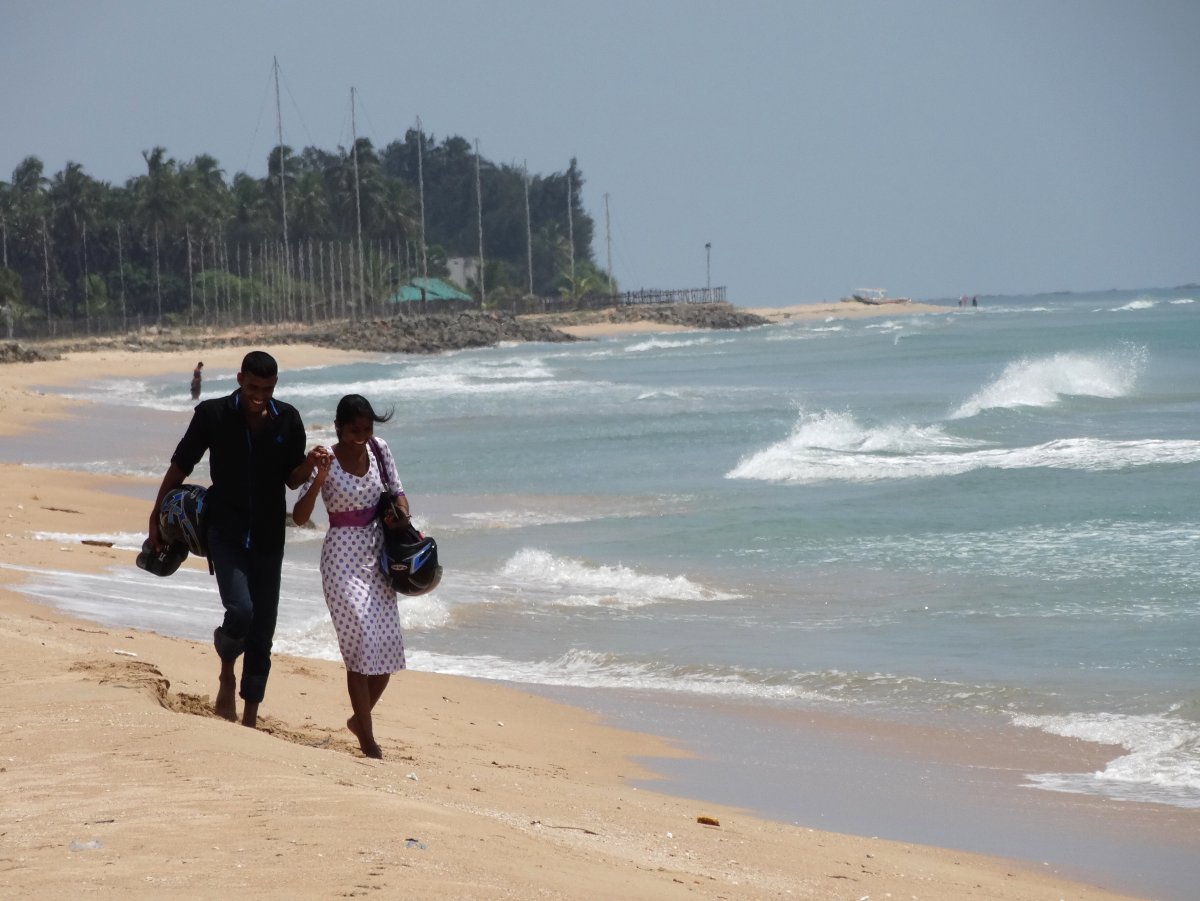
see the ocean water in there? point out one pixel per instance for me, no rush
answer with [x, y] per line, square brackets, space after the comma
[982, 515]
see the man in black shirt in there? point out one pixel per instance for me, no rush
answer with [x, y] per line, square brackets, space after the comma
[256, 447]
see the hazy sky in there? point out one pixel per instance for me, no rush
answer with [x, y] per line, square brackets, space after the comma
[931, 148]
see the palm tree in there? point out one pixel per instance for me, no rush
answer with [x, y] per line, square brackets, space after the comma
[292, 166]
[27, 204]
[204, 193]
[75, 200]
[7, 208]
[159, 207]
[308, 210]
[251, 210]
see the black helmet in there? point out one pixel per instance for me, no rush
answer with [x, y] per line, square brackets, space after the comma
[181, 518]
[410, 561]
[164, 562]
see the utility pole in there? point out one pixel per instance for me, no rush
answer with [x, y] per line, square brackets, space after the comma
[282, 187]
[421, 187]
[528, 228]
[121, 267]
[479, 210]
[362, 312]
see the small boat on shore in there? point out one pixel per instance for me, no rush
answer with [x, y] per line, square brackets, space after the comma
[874, 296]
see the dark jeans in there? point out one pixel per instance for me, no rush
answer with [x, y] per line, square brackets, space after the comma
[249, 584]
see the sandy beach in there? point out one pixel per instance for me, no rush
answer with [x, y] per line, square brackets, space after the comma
[584, 325]
[118, 780]
[843, 310]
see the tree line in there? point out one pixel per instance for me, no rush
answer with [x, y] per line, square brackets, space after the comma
[322, 235]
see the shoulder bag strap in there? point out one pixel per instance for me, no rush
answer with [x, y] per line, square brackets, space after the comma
[384, 475]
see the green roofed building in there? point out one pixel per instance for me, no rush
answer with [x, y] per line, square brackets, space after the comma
[430, 290]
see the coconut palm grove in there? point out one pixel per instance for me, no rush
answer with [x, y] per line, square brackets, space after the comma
[320, 235]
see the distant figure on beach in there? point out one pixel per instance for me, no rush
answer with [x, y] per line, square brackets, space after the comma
[196, 380]
[974, 301]
[255, 448]
[361, 600]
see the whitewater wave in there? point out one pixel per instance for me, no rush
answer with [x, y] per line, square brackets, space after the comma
[834, 447]
[1141, 303]
[1161, 763]
[1044, 381]
[674, 343]
[520, 519]
[579, 668]
[452, 378]
[440, 377]
[544, 577]
[128, 541]
[130, 393]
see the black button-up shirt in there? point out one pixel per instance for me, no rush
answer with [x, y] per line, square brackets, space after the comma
[249, 470]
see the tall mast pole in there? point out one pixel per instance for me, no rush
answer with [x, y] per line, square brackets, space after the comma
[121, 267]
[357, 204]
[282, 183]
[528, 229]
[608, 238]
[479, 210]
[421, 188]
[87, 304]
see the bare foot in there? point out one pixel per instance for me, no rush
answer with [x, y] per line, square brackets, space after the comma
[226, 703]
[367, 744]
[250, 715]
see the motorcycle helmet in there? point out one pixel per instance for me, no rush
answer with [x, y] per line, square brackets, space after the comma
[411, 568]
[181, 518]
[164, 562]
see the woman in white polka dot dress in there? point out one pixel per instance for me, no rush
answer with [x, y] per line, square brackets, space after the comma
[361, 601]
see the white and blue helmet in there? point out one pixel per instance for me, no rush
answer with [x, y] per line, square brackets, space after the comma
[181, 518]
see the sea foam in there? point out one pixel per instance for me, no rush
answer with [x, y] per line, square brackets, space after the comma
[1141, 303]
[569, 582]
[1043, 381]
[672, 344]
[1161, 763]
[797, 460]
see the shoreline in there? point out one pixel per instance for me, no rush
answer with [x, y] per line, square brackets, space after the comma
[531, 808]
[441, 332]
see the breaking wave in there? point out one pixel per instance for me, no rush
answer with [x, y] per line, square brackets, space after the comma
[1044, 381]
[835, 447]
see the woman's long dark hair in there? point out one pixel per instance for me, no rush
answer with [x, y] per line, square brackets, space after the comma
[355, 406]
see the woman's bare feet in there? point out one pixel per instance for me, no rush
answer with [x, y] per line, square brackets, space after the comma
[367, 743]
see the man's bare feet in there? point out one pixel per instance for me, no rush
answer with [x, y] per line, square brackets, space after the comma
[367, 744]
[250, 714]
[226, 703]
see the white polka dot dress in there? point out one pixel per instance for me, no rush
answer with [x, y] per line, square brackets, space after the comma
[360, 600]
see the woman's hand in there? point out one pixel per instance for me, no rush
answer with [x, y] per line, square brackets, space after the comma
[319, 459]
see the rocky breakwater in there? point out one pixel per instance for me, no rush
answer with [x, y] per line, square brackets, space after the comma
[431, 333]
[15, 353]
[407, 333]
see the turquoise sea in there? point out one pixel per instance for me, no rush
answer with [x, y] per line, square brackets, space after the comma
[982, 520]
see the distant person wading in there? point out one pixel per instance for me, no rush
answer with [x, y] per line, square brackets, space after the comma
[196, 376]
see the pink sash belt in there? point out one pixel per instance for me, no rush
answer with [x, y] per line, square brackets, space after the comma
[352, 518]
